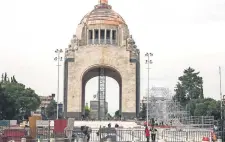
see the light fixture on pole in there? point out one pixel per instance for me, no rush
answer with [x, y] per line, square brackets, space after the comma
[58, 58]
[148, 61]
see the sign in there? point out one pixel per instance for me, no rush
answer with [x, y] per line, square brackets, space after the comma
[42, 123]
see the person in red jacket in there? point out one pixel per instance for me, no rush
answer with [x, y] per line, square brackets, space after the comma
[147, 133]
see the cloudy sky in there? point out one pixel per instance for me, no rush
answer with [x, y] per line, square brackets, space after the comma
[180, 33]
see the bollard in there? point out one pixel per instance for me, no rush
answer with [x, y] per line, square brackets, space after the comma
[23, 139]
[108, 140]
[52, 140]
[136, 140]
[191, 140]
[81, 140]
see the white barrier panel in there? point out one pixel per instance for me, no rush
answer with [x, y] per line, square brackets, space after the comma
[42, 123]
[23, 139]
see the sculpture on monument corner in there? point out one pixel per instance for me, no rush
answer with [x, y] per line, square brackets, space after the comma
[130, 42]
[131, 47]
[75, 42]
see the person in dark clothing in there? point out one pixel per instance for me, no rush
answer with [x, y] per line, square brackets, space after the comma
[86, 131]
[109, 125]
[147, 133]
[153, 133]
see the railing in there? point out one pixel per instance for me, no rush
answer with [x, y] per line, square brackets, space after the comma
[185, 135]
[96, 135]
[102, 41]
[99, 135]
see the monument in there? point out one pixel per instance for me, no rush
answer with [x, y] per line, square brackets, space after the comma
[102, 47]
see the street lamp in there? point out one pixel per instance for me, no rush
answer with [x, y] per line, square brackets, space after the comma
[58, 58]
[221, 97]
[148, 61]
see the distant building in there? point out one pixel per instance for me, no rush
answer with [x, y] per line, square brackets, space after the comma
[45, 101]
[94, 108]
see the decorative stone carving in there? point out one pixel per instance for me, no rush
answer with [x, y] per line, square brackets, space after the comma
[130, 42]
[132, 47]
[75, 42]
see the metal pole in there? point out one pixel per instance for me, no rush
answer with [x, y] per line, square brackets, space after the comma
[147, 119]
[58, 88]
[58, 59]
[148, 62]
[221, 97]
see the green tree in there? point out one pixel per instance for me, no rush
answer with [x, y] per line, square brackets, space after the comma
[109, 117]
[189, 87]
[19, 100]
[143, 111]
[204, 107]
[6, 112]
[51, 110]
[87, 111]
[117, 114]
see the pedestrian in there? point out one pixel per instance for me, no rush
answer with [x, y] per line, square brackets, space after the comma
[147, 133]
[153, 133]
[109, 125]
[86, 131]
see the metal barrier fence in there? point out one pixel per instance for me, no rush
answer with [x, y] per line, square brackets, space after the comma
[183, 136]
[96, 135]
[100, 135]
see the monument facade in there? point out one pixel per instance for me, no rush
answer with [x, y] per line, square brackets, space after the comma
[102, 47]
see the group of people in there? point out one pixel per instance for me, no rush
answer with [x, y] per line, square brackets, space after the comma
[153, 132]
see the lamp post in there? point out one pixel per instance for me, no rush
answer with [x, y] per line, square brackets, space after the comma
[148, 61]
[221, 97]
[58, 58]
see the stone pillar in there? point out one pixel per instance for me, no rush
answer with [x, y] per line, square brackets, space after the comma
[105, 36]
[111, 36]
[87, 36]
[99, 36]
[93, 36]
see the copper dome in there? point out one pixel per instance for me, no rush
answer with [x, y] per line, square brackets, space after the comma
[103, 14]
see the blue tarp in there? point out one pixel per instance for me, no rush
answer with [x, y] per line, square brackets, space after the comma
[4, 123]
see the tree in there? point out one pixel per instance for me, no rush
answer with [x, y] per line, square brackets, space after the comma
[204, 107]
[51, 110]
[19, 101]
[6, 112]
[189, 87]
[117, 114]
[87, 111]
[143, 111]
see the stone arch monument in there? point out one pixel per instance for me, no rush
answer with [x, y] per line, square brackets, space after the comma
[102, 47]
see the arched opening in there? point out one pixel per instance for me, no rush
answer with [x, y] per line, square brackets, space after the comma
[95, 72]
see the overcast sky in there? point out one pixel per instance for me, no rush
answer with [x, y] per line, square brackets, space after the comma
[180, 33]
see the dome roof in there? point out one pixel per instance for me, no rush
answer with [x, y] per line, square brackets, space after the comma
[103, 14]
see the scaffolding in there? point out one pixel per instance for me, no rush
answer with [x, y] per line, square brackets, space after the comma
[102, 94]
[164, 109]
[198, 121]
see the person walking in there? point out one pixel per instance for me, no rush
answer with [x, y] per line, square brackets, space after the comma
[147, 133]
[86, 131]
[153, 133]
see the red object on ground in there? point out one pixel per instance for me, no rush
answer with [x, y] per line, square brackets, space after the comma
[60, 125]
[205, 139]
